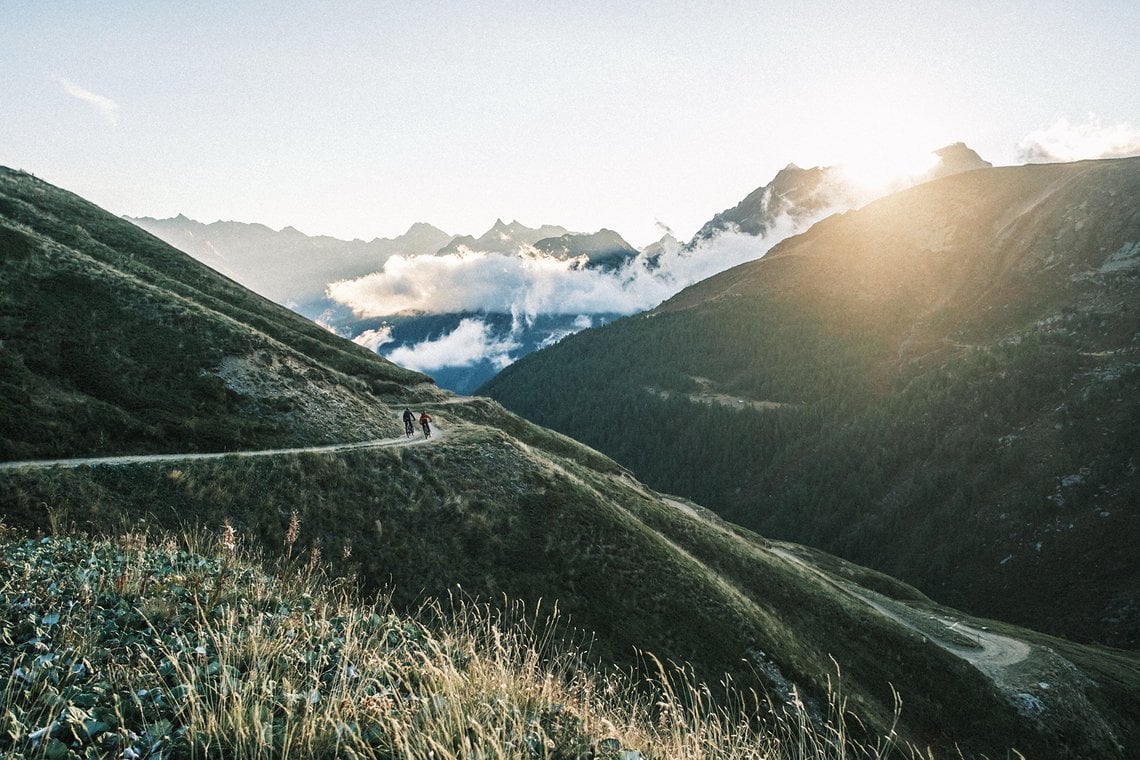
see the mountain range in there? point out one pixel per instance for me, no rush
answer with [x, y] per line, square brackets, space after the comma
[504, 238]
[941, 385]
[287, 266]
[225, 407]
[296, 270]
[801, 194]
[604, 249]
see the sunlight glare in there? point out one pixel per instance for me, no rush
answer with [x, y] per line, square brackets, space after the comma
[885, 168]
[882, 136]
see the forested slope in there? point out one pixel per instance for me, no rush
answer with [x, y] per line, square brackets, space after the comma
[942, 385]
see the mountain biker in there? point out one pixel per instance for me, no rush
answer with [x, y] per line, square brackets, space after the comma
[425, 421]
[409, 422]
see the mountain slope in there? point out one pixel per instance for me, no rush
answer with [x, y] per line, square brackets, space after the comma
[288, 266]
[111, 341]
[498, 506]
[941, 385]
[604, 249]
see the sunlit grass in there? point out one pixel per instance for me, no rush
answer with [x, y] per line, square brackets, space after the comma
[142, 647]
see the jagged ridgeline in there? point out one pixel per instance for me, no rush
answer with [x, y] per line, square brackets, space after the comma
[943, 385]
[113, 343]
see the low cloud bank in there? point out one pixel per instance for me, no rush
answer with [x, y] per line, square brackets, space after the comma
[530, 285]
[471, 342]
[374, 339]
[1066, 141]
[533, 284]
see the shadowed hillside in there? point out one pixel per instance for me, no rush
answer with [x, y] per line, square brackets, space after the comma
[112, 341]
[491, 504]
[942, 385]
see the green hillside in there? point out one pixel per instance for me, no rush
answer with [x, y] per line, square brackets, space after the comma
[491, 507]
[293, 664]
[112, 341]
[941, 385]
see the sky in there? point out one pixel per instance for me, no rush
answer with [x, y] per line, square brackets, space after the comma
[357, 119]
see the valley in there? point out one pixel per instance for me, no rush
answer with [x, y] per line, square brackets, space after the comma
[941, 385]
[761, 426]
[180, 404]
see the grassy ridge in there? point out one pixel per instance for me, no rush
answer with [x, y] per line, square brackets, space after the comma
[111, 341]
[139, 647]
[483, 511]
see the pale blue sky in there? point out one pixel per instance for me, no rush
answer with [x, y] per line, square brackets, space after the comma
[358, 119]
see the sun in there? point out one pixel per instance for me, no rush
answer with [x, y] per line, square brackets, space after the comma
[881, 169]
[880, 140]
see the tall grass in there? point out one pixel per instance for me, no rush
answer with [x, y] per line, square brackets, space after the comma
[139, 647]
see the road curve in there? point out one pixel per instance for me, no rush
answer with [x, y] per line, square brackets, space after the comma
[987, 651]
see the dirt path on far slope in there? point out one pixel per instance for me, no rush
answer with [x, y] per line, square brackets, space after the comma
[1037, 681]
[991, 653]
[987, 651]
[418, 438]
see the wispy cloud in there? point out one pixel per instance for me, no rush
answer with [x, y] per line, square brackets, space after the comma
[108, 108]
[374, 339]
[470, 342]
[1067, 141]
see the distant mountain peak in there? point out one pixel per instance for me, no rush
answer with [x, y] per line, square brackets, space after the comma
[805, 193]
[604, 249]
[422, 227]
[957, 158]
[793, 191]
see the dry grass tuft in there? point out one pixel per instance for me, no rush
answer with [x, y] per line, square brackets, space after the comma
[143, 648]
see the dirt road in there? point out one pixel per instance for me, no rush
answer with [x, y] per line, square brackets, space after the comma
[989, 652]
[333, 448]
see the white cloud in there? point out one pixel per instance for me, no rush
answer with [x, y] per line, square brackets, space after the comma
[373, 339]
[104, 105]
[326, 319]
[583, 322]
[530, 285]
[470, 342]
[1066, 141]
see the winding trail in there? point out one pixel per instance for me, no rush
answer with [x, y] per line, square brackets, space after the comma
[437, 434]
[989, 652]
[985, 650]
